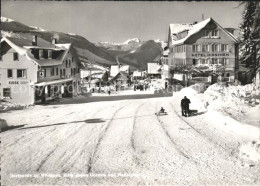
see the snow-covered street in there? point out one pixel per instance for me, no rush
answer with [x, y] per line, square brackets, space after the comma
[121, 142]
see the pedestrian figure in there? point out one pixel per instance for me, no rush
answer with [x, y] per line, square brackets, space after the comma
[185, 106]
[166, 85]
[108, 90]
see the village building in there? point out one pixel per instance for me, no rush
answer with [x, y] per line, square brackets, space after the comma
[37, 70]
[203, 44]
[154, 70]
[165, 66]
[115, 69]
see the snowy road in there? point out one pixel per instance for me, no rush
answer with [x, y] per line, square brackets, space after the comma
[118, 142]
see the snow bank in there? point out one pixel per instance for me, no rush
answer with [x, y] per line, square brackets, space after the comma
[250, 152]
[193, 93]
[6, 106]
[240, 102]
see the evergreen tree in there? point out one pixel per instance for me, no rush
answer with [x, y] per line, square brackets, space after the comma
[250, 40]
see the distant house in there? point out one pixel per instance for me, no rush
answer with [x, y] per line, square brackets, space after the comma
[121, 79]
[165, 65]
[154, 70]
[203, 44]
[115, 69]
[37, 70]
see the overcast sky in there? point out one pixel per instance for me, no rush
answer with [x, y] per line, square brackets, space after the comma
[118, 21]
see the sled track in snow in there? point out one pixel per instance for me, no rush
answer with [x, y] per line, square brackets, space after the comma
[133, 130]
[180, 151]
[59, 144]
[91, 159]
[133, 134]
[199, 132]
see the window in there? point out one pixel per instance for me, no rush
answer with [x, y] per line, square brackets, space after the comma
[9, 73]
[21, 73]
[204, 48]
[72, 59]
[52, 71]
[7, 92]
[79, 68]
[15, 55]
[221, 61]
[205, 33]
[64, 72]
[214, 61]
[208, 48]
[224, 48]
[226, 61]
[40, 54]
[66, 63]
[50, 54]
[45, 72]
[60, 72]
[69, 64]
[214, 48]
[195, 48]
[203, 61]
[215, 33]
[71, 71]
[196, 61]
[57, 71]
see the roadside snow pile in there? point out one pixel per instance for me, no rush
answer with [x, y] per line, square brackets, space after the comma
[240, 102]
[250, 152]
[6, 106]
[193, 94]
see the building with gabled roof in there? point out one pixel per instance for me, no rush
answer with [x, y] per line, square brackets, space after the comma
[203, 44]
[37, 70]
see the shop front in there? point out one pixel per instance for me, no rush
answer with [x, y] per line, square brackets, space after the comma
[52, 90]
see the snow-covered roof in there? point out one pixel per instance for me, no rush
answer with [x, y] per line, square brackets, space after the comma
[179, 27]
[24, 46]
[153, 68]
[193, 29]
[137, 74]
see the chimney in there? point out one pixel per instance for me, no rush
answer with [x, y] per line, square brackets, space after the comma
[54, 41]
[34, 40]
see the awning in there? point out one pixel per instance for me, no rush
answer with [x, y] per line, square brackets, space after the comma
[53, 82]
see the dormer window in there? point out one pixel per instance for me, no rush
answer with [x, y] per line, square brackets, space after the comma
[49, 54]
[41, 54]
[205, 33]
[215, 33]
[16, 57]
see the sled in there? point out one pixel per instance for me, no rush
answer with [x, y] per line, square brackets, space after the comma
[193, 112]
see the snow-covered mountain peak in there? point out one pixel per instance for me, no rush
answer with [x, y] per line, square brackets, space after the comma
[136, 40]
[5, 19]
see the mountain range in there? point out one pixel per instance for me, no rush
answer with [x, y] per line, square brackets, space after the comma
[133, 52]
